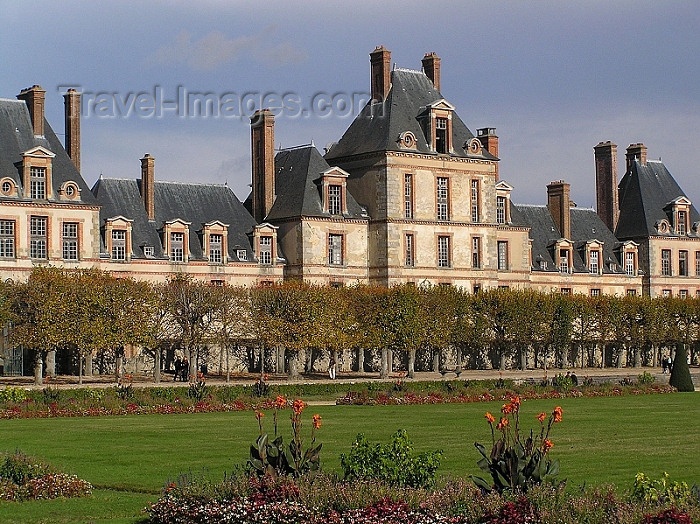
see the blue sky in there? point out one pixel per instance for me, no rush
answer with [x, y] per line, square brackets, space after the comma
[553, 78]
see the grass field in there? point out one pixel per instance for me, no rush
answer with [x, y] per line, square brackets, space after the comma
[129, 459]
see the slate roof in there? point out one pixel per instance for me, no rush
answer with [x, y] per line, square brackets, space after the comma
[17, 136]
[644, 192]
[586, 225]
[298, 186]
[195, 203]
[377, 127]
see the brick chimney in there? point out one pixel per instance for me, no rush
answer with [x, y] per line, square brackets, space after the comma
[262, 137]
[558, 203]
[607, 202]
[636, 152]
[147, 185]
[71, 101]
[34, 98]
[431, 68]
[380, 60]
[489, 141]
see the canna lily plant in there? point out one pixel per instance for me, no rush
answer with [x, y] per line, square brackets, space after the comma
[514, 464]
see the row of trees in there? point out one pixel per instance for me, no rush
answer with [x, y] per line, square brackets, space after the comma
[83, 315]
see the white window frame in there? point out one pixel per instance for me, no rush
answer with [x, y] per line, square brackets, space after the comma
[335, 249]
[119, 244]
[683, 263]
[501, 209]
[37, 182]
[629, 264]
[443, 198]
[502, 247]
[216, 250]
[476, 252]
[265, 251]
[666, 262]
[38, 237]
[444, 255]
[335, 202]
[7, 239]
[594, 262]
[408, 195]
[177, 246]
[410, 250]
[70, 240]
[474, 199]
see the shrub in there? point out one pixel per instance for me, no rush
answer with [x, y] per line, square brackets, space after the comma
[669, 516]
[680, 373]
[394, 463]
[645, 378]
[12, 394]
[660, 491]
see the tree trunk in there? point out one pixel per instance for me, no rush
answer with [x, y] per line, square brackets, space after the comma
[293, 365]
[436, 360]
[156, 366]
[620, 356]
[193, 365]
[501, 358]
[80, 369]
[637, 357]
[38, 374]
[412, 363]
[564, 357]
[228, 366]
[360, 360]
[280, 360]
[118, 366]
[51, 364]
[459, 358]
[390, 361]
[384, 369]
[88, 365]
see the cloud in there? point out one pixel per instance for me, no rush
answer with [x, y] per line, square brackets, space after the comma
[215, 49]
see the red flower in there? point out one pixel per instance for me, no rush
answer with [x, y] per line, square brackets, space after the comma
[298, 406]
[490, 417]
[259, 415]
[280, 402]
[547, 445]
[556, 414]
[317, 421]
[541, 417]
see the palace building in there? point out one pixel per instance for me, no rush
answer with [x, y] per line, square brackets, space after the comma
[408, 194]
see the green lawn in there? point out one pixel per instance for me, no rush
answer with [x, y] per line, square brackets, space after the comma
[128, 459]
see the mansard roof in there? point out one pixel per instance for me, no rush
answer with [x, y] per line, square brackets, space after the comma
[298, 186]
[17, 137]
[645, 192]
[197, 204]
[379, 124]
[586, 226]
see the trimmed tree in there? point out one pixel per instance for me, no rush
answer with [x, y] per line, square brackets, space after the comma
[680, 374]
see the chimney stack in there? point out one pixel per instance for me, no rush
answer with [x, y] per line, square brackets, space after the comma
[34, 98]
[380, 60]
[607, 202]
[489, 141]
[431, 68]
[262, 135]
[636, 152]
[558, 203]
[71, 101]
[147, 185]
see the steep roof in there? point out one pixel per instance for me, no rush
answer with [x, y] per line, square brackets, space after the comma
[645, 191]
[378, 126]
[195, 203]
[586, 225]
[17, 137]
[297, 186]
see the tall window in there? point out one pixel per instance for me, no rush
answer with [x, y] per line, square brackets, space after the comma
[595, 292]
[441, 135]
[70, 241]
[410, 250]
[118, 244]
[334, 200]
[215, 249]
[500, 209]
[563, 260]
[265, 256]
[408, 195]
[680, 226]
[335, 249]
[666, 262]
[37, 182]
[629, 264]
[697, 263]
[7, 238]
[37, 237]
[177, 247]
[443, 195]
[475, 200]
[476, 252]
[594, 262]
[502, 255]
[444, 251]
[683, 263]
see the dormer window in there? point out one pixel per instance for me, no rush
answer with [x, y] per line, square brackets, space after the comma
[241, 255]
[678, 211]
[334, 191]
[215, 242]
[176, 240]
[36, 173]
[503, 190]
[681, 222]
[594, 262]
[265, 244]
[265, 251]
[437, 125]
[563, 251]
[118, 238]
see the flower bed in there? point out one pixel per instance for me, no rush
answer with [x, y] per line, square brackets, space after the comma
[24, 478]
[325, 499]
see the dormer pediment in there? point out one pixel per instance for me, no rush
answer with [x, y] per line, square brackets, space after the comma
[594, 243]
[177, 221]
[441, 104]
[265, 227]
[119, 220]
[38, 152]
[680, 201]
[214, 224]
[504, 186]
[335, 172]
